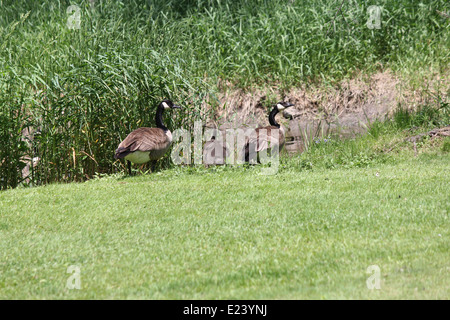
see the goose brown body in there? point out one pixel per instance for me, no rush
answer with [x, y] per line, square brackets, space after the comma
[144, 144]
[264, 137]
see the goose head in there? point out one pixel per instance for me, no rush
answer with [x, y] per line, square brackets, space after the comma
[167, 104]
[283, 105]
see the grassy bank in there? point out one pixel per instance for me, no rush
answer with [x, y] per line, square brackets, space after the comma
[303, 234]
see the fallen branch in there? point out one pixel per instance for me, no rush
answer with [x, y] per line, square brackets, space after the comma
[444, 132]
[440, 132]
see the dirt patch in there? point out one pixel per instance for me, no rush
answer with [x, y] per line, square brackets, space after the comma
[345, 108]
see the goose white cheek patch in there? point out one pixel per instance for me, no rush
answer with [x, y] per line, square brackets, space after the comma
[165, 105]
[280, 107]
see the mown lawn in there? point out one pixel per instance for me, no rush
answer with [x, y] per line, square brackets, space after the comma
[233, 235]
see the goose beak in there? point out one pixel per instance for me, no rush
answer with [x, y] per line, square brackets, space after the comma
[176, 107]
[289, 105]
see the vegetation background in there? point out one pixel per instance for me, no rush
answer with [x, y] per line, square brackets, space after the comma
[69, 95]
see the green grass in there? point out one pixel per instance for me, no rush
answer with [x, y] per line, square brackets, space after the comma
[233, 234]
[310, 231]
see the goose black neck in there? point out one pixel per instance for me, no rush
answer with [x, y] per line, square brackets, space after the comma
[272, 115]
[158, 118]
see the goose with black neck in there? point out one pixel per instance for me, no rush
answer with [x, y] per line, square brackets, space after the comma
[147, 144]
[264, 137]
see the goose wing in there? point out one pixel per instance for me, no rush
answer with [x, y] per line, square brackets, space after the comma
[143, 139]
[263, 140]
[265, 137]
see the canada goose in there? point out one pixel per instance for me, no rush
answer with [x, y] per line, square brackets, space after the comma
[147, 144]
[215, 145]
[264, 135]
